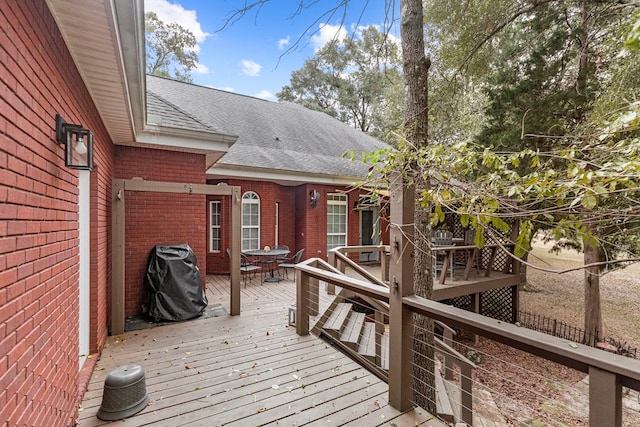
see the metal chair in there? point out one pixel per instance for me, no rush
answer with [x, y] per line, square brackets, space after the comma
[291, 262]
[281, 258]
[246, 267]
[441, 238]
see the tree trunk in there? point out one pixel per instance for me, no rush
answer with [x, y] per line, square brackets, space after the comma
[592, 308]
[416, 69]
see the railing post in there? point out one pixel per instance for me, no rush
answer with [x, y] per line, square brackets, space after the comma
[476, 307]
[379, 322]
[331, 288]
[401, 284]
[466, 393]
[605, 398]
[314, 296]
[302, 297]
[384, 266]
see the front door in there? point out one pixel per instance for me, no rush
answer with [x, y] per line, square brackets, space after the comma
[369, 233]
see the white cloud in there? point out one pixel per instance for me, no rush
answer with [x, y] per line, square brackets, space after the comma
[251, 68]
[283, 42]
[201, 69]
[264, 94]
[327, 33]
[170, 12]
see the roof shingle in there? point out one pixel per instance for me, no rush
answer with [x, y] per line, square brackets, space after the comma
[276, 136]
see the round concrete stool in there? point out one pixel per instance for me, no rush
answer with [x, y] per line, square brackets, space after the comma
[125, 393]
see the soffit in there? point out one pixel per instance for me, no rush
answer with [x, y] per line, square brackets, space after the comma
[93, 37]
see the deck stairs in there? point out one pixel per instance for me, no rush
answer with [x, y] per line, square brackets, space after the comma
[357, 336]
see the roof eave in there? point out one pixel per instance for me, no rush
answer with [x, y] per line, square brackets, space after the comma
[282, 177]
[212, 145]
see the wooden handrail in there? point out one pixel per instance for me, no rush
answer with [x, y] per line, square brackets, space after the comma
[608, 371]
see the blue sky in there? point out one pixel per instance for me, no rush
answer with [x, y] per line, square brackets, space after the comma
[256, 54]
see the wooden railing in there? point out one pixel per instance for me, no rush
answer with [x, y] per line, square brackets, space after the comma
[608, 372]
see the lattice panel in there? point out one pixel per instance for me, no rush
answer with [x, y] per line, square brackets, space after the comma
[497, 304]
[462, 302]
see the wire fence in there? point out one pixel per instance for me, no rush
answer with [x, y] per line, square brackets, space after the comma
[560, 329]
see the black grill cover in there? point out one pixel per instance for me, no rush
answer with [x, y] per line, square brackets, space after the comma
[174, 284]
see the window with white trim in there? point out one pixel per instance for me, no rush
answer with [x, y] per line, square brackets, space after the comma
[250, 221]
[215, 221]
[336, 220]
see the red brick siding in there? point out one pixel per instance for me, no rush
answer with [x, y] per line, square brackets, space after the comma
[39, 221]
[159, 218]
[300, 225]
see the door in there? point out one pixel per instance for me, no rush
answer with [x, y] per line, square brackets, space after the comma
[84, 282]
[369, 234]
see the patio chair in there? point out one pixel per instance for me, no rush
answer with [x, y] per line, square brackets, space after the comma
[246, 267]
[281, 258]
[291, 262]
[441, 238]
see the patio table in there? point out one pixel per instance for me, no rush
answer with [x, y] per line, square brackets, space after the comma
[268, 257]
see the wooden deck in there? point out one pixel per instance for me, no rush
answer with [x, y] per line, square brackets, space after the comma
[245, 370]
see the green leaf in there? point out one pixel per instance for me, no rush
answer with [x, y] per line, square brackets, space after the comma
[589, 202]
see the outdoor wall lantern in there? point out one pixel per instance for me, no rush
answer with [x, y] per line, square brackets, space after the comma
[78, 144]
[314, 196]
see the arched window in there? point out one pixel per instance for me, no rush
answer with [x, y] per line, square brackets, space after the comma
[250, 221]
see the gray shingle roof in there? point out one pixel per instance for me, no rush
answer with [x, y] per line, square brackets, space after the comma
[278, 136]
[172, 116]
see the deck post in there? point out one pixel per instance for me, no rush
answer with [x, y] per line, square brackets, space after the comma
[476, 307]
[117, 257]
[331, 288]
[302, 298]
[515, 303]
[605, 398]
[236, 233]
[401, 284]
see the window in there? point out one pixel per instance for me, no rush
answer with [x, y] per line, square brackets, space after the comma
[250, 221]
[214, 239]
[336, 220]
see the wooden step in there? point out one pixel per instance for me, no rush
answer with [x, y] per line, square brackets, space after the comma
[367, 345]
[443, 405]
[352, 330]
[335, 324]
[455, 397]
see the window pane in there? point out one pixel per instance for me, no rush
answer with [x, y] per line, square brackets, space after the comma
[250, 221]
[336, 220]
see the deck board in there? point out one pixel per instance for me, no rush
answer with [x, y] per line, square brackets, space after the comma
[251, 369]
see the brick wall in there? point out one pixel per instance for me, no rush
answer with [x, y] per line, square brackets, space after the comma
[159, 218]
[300, 225]
[39, 221]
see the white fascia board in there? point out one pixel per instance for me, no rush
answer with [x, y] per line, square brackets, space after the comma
[185, 138]
[282, 177]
